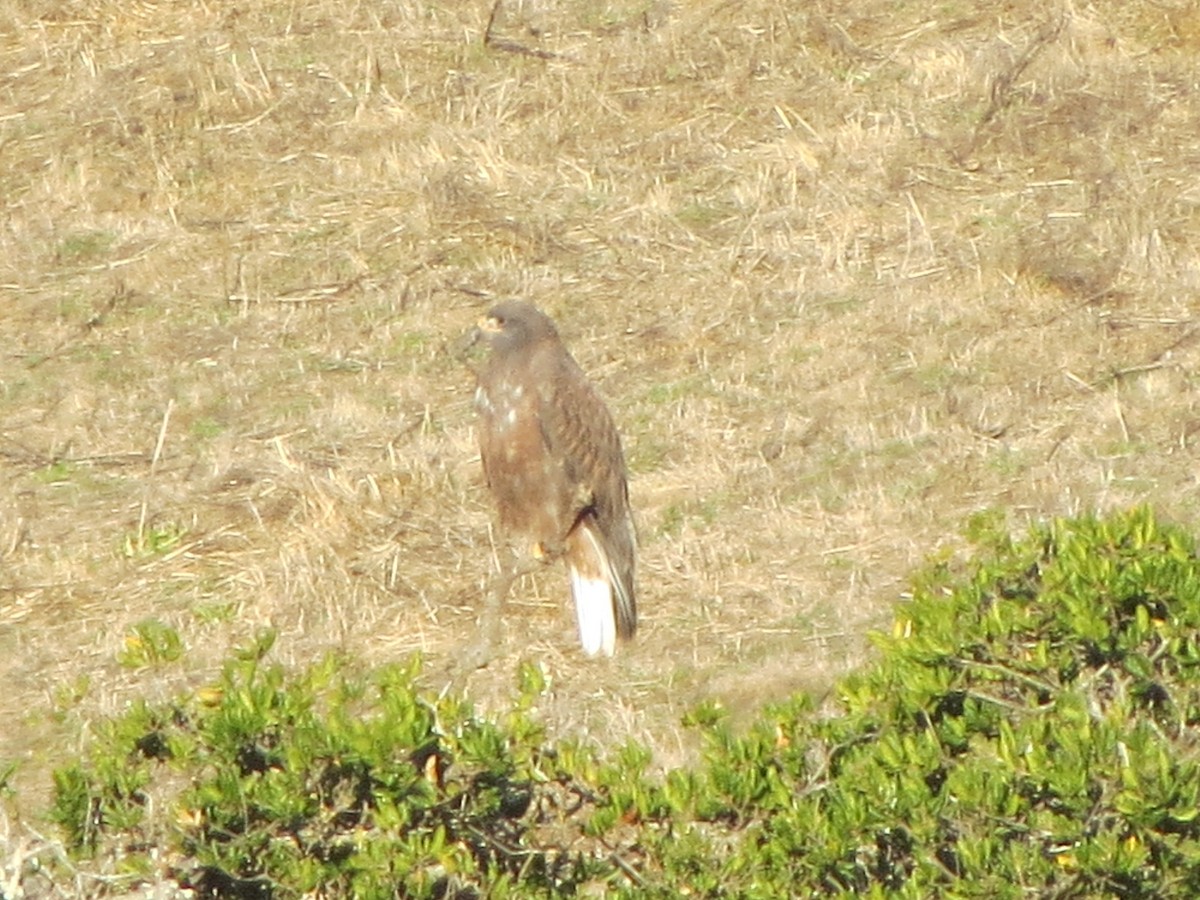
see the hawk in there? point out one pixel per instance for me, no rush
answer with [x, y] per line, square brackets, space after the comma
[553, 462]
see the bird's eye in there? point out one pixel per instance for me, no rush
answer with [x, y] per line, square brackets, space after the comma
[499, 320]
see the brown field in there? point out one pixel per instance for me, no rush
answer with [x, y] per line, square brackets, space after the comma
[847, 273]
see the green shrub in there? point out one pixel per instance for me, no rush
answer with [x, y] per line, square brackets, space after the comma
[355, 786]
[1027, 729]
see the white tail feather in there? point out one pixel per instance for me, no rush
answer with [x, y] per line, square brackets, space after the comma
[594, 604]
[594, 612]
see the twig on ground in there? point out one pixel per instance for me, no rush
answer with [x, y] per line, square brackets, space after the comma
[508, 46]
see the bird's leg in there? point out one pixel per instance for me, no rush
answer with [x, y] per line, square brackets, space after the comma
[483, 650]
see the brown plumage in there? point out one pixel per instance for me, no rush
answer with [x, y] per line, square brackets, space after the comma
[552, 459]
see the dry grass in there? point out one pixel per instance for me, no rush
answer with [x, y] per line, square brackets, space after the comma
[848, 272]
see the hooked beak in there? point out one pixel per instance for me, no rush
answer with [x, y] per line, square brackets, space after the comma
[465, 342]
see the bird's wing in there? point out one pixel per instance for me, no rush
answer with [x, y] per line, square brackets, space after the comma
[579, 431]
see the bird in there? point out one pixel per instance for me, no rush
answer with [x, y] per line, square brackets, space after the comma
[553, 462]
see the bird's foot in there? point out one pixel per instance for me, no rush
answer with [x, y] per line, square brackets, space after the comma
[542, 553]
[476, 655]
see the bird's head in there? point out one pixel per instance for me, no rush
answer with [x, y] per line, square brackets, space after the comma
[512, 326]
